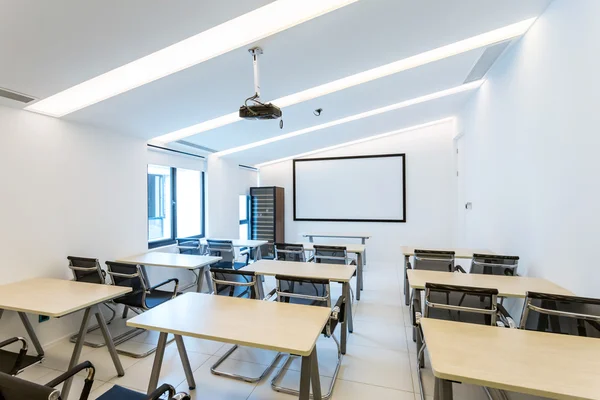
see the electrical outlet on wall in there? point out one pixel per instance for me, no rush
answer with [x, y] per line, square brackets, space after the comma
[43, 318]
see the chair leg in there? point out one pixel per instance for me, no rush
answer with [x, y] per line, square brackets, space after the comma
[125, 311]
[73, 338]
[249, 379]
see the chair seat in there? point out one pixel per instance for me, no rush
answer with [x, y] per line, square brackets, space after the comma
[121, 393]
[239, 265]
[157, 297]
[8, 358]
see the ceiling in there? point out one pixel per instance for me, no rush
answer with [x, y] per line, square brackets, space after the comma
[49, 46]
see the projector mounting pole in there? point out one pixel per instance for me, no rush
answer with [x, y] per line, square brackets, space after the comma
[256, 51]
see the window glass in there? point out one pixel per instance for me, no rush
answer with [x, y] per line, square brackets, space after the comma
[159, 203]
[189, 202]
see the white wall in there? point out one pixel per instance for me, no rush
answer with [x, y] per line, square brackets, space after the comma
[430, 193]
[531, 143]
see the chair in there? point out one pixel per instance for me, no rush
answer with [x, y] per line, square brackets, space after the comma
[14, 363]
[433, 260]
[333, 255]
[457, 303]
[121, 393]
[492, 264]
[228, 280]
[225, 250]
[567, 315]
[190, 246]
[289, 252]
[89, 270]
[142, 296]
[311, 292]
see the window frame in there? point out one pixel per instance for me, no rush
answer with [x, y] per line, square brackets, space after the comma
[248, 219]
[173, 238]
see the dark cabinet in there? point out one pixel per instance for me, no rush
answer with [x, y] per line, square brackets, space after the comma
[267, 208]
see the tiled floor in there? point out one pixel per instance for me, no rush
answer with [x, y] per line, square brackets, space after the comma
[379, 363]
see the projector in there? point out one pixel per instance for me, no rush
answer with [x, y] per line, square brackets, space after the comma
[257, 109]
[260, 111]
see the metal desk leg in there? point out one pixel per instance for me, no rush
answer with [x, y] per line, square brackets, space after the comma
[200, 280]
[305, 372]
[364, 242]
[442, 389]
[258, 253]
[76, 351]
[406, 288]
[185, 361]
[31, 333]
[108, 340]
[260, 289]
[311, 239]
[359, 275]
[158, 360]
[347, 322]
[208, 278]
[315, 379]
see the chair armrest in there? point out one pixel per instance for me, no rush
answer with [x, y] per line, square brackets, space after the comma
[89, 380]
[459, 269]
[14, 340]
[311, 259]
[167, 282]
[246, 252]
[162, 389]
[22, 352]
[270, 295]
[505, 317]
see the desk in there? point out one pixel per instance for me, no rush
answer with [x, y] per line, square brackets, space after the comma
[175, 260]
[362, 236]
[536, 363]
[57, 298]
[353, 248]
[458, 253]
[283, 327]
[332, 272]
[251, 244]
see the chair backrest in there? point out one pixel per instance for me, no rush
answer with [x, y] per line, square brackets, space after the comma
[231, 282]
[289, 252]
[330, 254]
[434, 260]
[223, 249]
[190, 246]
[130, 275]
[461, 303]
[570, 315]
[13, 388]
[315, 292]
[493, 264]
[86, 269]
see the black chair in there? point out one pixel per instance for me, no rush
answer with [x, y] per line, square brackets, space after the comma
[567, 315]
[121, 393]
[310, 292]
[225, 250]
[290, 252]
[142, 297]
[89, 270]
[494, 264]
[461, 304]
[230, 282]
[190, 246]
[14, 363]
[433, 260]
[333, 255]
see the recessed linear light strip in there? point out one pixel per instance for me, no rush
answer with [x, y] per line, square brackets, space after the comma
[367, 139]
[241, 31]
[377, 111]
[499, 35]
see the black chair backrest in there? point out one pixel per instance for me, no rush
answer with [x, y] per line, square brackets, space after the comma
[190, 246]
[130, 275]
[86, 269]
[223, 249]
[289, 252]
[231, 282]
[330, 254]
[493, 264]
[13, 388]
[306, 291]
[434, 260]
[461, 303]
[569, 315]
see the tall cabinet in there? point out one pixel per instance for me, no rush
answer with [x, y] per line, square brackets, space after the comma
[267, 223]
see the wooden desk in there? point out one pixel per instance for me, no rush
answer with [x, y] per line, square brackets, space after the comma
[57, 298]
[537, 363]
[251, 244]
[362, 236]
[331, 272]
[409, 251]
[175, 260]
[283, 327]
[353, 248]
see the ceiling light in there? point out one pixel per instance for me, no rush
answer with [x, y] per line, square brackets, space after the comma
[241, 31]
[475, 42]
[366, 114]
[380, 136]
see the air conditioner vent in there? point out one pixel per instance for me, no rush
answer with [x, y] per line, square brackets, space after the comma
[485, 62]
[21, 98]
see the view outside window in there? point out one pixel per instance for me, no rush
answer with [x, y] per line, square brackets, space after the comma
[189, 203]
[159, 203]
[244, 217]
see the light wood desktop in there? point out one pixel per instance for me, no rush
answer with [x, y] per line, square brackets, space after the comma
[283, 327]
[352, 248]
[331, 272]
[176, 260]
[57, 298]
[537, 363]
[251, 244]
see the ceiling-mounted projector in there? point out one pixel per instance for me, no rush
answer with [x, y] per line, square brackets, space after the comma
[258, 110]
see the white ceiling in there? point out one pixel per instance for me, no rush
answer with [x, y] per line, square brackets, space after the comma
[49, 46]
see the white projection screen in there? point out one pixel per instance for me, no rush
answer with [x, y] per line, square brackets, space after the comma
[353, 189]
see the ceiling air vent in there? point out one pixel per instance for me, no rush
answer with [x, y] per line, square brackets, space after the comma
[485, 62]
[21, 98]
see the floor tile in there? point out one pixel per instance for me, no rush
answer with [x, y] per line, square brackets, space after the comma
[379, 334]
[346, 390]
[290, 380]
[327, 354]
[59, 354]
[248, 354]
[374, 312]
[105, 369]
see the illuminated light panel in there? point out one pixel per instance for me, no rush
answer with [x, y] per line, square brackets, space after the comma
[485, 39]
[241, 31]
[382, 135]
[407, 103]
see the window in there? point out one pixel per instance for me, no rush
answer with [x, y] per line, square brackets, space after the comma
[244, 217]
[175, 204]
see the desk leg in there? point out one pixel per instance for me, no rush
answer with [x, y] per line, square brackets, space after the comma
[258, 253]
[158, 360]
[259, 287]
[309, 376]
[200, 280]
[208, 278]
[77, 351]
[311, 239]
[31, 333]
[364, 242]
[406, 288]
[347, 322]
[185, 361]
[442, 389]
[315, 379]
[108, 340]
[359, 275]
